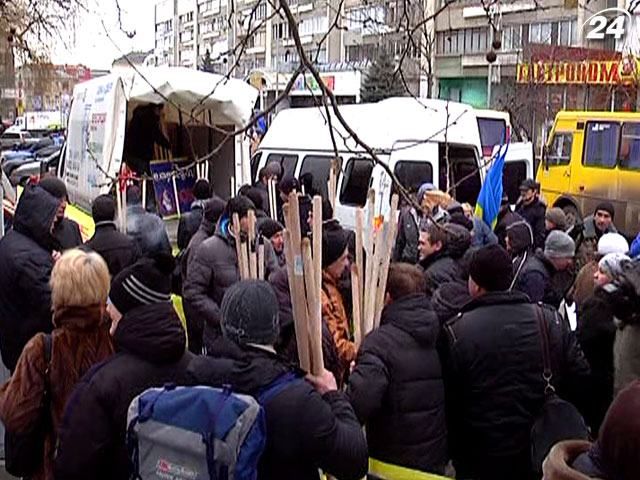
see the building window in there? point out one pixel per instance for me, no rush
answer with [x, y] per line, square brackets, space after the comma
[368, 19]
[463, 41]
[540, 33]
[313, 25]
[512, 37]
[186, 18]
[261, 11]
[280, 31]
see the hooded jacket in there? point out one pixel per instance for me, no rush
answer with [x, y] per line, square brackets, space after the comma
[397, 391]
[534, 213]
[25, 270]
[540, 280]
[305, 431]
[495, 386]
[80, 340]
[406, 247]
[506, 218]
[118, 250]
[189, 223]
[447, 265]
[212, 269]
[150, 346]
[67, 234]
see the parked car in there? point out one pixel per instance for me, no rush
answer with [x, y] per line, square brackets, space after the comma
[21, 173]
[10, 138]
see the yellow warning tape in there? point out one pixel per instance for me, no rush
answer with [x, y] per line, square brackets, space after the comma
[387, 471]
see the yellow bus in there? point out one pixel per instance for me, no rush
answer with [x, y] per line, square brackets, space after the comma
[591, 157]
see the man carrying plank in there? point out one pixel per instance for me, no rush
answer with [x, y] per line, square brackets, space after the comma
[335, 261]
[214, 267]
[310, 423]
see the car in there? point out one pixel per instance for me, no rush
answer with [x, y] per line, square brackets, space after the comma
[21, 173]
[10, 138]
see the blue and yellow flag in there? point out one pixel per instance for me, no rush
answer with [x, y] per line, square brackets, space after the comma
[490, 196]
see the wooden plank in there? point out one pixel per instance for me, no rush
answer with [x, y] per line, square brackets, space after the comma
[386, 259]
[360, 257]
[314, 309]
[356, 300]
[236, 232]
[244, 254]
[372, 284]
[261, 261]
[253, 259]
[316, 232]
[298, 306]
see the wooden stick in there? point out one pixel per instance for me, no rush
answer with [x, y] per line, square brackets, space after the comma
[236, 232]
[316, 232]
[314, 309]
[246, 275]
[386, 259]
[175, 193]
[369, 230]
[356, 300]
[360, 260]
[273, 206]
[206, 171]
[119, 206]
[232, 182]
[124, 210]
[261, 261]
[372, 285]
[253, 259]
[144, 194]
[297, 305]
[333, 177]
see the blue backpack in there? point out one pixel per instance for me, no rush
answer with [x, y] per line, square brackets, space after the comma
[199, 433]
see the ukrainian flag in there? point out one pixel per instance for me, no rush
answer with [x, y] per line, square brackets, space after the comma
[490, 196]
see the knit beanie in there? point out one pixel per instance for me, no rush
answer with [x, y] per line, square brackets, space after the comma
[146, 282]
[289, 184]
[103, 208]
[334, 242]
[250, 313]
[559, 245]
[424, 188]
[491, 268]
[268, 228]
[54, 186]
[611, 264]
[606, 207]
[556, 216]
[612, 243]
[213, 209]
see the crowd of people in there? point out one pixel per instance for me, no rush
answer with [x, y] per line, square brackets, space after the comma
[481, 324]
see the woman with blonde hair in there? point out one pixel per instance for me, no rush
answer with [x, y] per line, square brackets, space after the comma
[80, 339]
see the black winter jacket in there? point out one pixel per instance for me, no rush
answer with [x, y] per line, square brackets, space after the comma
[25, 270]
[506, 218]
[150, 346]
[189, 223]
[596, 333]
[534, 215]
[67, 234]
[212, 269]
[305, 431]
[406, 247]
[495, 386]
[539, 279]
[447, 265]
[117, 249]
[397, 390]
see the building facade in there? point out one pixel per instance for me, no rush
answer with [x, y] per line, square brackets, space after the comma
[7, 81]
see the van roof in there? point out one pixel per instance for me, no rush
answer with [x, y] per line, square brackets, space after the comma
[380, 125]
[595, 115]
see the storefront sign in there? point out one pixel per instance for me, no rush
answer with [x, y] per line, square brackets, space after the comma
[588, 72]
[308, 83]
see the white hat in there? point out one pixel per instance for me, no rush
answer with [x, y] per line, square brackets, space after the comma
[612, 243]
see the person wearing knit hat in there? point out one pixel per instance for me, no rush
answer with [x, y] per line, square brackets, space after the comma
[609, 267]
[612, 243]
[493, 350]
[151, 352]
[273, 231]
[559, 245]
[335, 262]
[66, 231]
[555, 219]
[190, 221]
[117, 249]
[600, 223]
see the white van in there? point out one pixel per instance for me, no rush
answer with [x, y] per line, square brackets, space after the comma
[102, 109]
[412, 137]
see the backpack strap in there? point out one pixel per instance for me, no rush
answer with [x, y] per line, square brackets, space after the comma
[274, 388]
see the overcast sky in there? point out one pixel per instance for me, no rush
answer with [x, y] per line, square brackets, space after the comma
[89, 44]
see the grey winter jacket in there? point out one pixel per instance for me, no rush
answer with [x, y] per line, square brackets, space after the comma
[213, 267]
[626, 355]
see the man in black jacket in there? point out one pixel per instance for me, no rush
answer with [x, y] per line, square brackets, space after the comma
[147, 230]
[532, 210]
[25, 269]
[66, 231]
[117, 249]
[310, 424]
[506, 218]
[190, 221]
[494, 372]
[548, 275]
[396, 387]
[151, 347]
[442, 248]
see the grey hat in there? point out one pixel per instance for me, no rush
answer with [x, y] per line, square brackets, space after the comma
[424, 188]
[557, 217]
[611, 263]
[250, 313]
[559, 245]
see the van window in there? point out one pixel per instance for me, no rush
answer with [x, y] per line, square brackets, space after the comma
[601, 144]
[493, 131]
[11, 136]
[286, 161]
[412, 174]
[514, 174]
[630, 146]
[255, 162]
[560, 150]
[463, 173]
[356, 181]
[315, 172]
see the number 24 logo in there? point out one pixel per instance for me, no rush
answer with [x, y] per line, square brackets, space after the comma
[602, 26]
